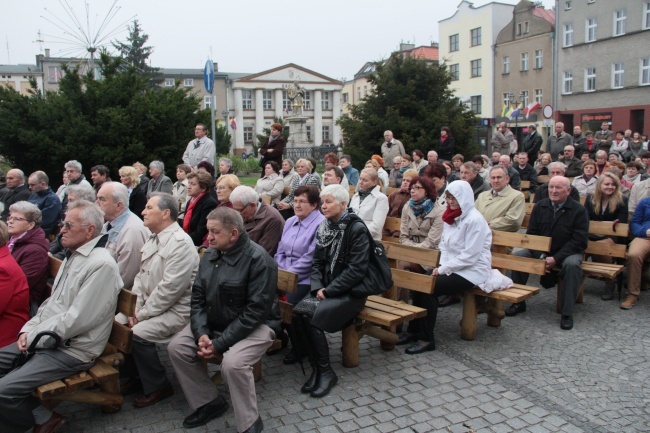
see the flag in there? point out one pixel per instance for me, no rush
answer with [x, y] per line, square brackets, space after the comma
[233, 124]
[506, 110]
[516, 112]
[531, 107]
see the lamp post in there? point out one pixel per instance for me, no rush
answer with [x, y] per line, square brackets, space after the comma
[517, 102]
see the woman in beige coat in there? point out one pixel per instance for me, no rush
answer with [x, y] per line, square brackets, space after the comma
[272, 184]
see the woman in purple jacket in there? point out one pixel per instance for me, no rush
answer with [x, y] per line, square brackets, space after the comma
[297, 245]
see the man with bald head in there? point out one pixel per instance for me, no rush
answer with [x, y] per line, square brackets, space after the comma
[501, 139]
[556, 168]
[16, 190]
[432, 157]
[566, 222]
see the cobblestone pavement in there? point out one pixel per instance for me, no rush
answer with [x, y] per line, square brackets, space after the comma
[526, 376]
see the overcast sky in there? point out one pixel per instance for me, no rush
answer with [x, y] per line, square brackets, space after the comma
[334, 37]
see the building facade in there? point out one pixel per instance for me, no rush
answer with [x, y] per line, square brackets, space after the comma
[523, 58]
[466, 46]
[18, 76]
[604, 64]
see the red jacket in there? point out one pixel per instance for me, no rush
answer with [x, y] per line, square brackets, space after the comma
[14, 298]
[30, 252]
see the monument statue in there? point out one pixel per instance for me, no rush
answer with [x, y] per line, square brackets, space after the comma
[297, 96]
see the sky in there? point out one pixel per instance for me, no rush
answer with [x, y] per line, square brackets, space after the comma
[334, 37]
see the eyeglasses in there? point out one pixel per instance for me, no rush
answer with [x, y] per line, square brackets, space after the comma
[417, 187]
[13, 218]
[222, 188]
[68, 225]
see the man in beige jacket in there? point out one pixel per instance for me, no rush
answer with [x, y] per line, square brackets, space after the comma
[502, 207]
[163, 285]
[80, 311]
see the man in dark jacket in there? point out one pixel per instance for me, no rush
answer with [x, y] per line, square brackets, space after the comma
[573, 164]
[16, 190]
[46, 200]
[526, 171]
[567, 223]
[234, 315]
[469, 173]
[532, 143]
[555, 169]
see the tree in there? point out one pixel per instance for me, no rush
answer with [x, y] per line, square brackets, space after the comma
[134, 53]
[115, 121]
[412, 98]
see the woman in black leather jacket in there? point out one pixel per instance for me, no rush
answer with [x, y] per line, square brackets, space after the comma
[340, 263]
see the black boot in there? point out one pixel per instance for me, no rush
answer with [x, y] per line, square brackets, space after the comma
[326, 377]
[304, 347]
[294, 354]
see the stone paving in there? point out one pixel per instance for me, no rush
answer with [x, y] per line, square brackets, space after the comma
[526, 376]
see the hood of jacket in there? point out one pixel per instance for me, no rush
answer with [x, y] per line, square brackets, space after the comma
[462, 192]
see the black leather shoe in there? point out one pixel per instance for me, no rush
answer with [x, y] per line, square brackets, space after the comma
[566, 323]
[291, 358]
[406, 338]
[146, 400]
[515, 309]
[448, 300]
[206, 413]
[421, 347]
[257, 426]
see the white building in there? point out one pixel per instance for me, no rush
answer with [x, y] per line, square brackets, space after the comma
[467, 39]
[259, 98]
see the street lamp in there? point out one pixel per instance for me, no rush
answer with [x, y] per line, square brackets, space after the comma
[516, 102]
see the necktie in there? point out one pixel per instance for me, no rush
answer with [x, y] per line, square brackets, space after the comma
[109, 226]
[197, 144]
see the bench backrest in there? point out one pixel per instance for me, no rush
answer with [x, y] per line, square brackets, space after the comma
[287, 283]
[286, 191]
[393, 224]
[389, 191]
[121, 336]
[605, 228]
[501, 241]
[525, 184]
[407, 279]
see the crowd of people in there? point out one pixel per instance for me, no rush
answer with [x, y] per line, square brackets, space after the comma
[142, 234]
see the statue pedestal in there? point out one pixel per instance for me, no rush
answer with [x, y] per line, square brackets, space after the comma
[297, 131]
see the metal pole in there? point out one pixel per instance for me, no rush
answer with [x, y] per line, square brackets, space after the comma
[213, 102]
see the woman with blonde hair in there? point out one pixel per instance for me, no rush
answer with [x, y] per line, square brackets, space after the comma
[607, 203]
[541, 165]
[224, 187]
[381, 173]
[369, 203]
[130, 178]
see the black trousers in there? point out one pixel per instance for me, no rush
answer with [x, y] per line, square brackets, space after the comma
[445, 285]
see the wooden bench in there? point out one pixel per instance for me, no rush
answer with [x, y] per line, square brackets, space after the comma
[493, 306]
[391, 190]
[382, 314]
[392, 224]
[529, 210]
[104, 374]
[605, 271]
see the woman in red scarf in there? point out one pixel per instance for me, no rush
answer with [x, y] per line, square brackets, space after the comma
[198, 206]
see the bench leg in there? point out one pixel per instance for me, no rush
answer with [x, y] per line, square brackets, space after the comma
[558, 298]
[114, 398]
[388, 345]
[581, 290]
[468, 321]
[495, 312]
[350, 346]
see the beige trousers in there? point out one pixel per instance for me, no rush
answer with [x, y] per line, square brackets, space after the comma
[636, 255]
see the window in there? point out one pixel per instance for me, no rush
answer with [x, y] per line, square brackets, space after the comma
[54, 74]
[475, 104]
[308, 127]
[476, 68]
[590, 79]
[365, 90]
[326, 134]
[645, 20]
[307, 101]
[526, 28]
[325, 101]
[453, 42]
[567, 83]
[169, 82]
[346, 98]
[359, 93]
[506, 65]
[519, 29]
[476, 36]
[590, 30]
[207, 101]
[619, 23]
[524, 61]
[267, 100]
[644, 74]
[506, 98]
[538, 96]
[523, 96]
[188, 82]
[567, 5]
[617, 75]
[454, 71]
[286, 103]
[248, 134]
[539, 57]
[568, 35]
[247, 99]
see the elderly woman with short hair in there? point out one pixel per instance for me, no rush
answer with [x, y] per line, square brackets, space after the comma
[29, 246]
[225, 167]
[271, 185]
[304, 177]
[130, 178]
[225, 185]
[586, 182]
[287, 173]
[339, 265]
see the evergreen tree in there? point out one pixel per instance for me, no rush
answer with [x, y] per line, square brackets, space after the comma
[134, 52]
[412, 98]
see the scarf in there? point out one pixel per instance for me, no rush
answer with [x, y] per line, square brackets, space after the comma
[330, 234]
[403, 169]
[189, 211]
[450, 215]
[422, 208]
[590, 144]
[364, 194]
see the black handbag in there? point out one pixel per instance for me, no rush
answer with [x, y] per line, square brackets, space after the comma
[306, 307]
[22, 358]
[379, 277]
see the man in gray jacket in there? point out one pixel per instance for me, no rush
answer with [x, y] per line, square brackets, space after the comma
[80, 311]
